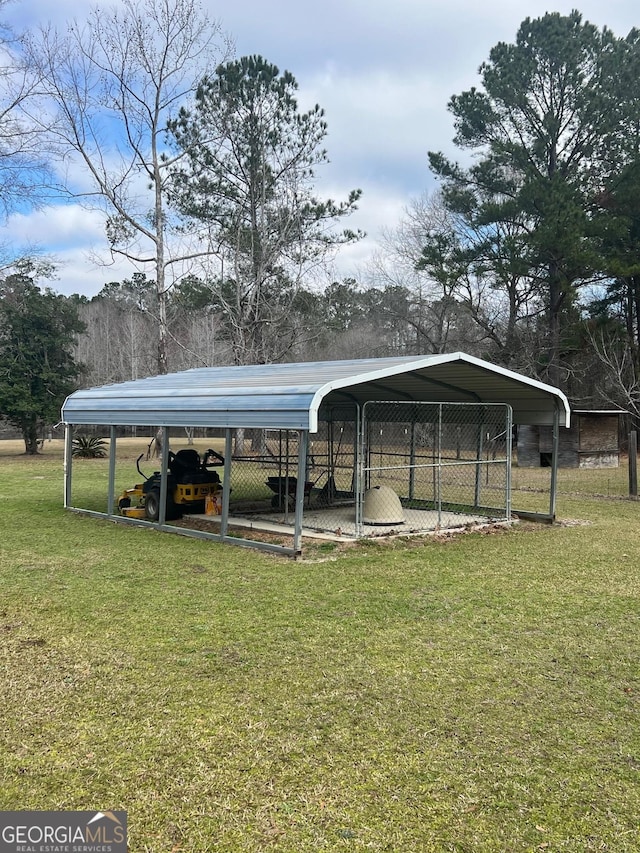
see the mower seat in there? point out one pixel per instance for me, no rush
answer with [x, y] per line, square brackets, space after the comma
[185, 466]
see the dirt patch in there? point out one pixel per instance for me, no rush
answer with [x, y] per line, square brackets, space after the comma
[251, 533]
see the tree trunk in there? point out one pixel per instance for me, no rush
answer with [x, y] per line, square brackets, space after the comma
[553, 347]
[634, 335]
[161, 289]
[259, 442]
[30, 435]
[239, 442]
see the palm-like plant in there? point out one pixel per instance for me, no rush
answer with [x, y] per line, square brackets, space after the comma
[88, 447]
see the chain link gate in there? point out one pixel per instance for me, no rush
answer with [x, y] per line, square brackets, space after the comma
[433, 465]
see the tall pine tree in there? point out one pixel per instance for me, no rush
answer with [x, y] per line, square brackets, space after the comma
[538, 127]
[246, 180]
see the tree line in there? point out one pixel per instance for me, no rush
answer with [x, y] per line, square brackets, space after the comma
[526, 254]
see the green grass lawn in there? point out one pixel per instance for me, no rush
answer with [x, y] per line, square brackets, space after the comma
[475, 693]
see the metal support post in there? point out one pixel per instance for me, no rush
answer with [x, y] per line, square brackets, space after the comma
[412, 461]
[112, 470]
[479, 453]
[633, 464]
[509, 451]
[439, 469]
[68, 456]
[554, 465]
[303, 444]
[226, 484]
[162, 512]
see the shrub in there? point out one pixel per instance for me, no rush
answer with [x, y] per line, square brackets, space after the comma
[89, 447]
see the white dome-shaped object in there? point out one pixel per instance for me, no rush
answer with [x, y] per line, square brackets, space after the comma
[382, 506]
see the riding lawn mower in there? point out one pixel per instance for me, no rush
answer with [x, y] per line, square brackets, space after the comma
[190, 485]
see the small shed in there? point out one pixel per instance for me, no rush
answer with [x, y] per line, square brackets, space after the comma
[434, 431]
[592, 440]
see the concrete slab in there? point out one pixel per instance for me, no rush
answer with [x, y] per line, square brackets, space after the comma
[339, 523]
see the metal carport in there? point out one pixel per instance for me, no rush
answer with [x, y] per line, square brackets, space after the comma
[292, 397]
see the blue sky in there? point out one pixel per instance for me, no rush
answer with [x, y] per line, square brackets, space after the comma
[383, 72]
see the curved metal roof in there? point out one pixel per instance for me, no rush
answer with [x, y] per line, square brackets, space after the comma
[289, 396]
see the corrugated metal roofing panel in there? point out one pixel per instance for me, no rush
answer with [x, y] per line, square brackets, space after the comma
[289, 396]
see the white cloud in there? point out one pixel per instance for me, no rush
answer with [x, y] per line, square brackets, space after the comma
[74, 238]
[380, 125]
[78, 272]
[380, 207]
[57, 227]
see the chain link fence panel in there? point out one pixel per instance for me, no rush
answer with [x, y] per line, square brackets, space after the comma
[451, 459]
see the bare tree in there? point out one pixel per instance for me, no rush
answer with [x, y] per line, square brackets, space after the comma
[436, 310]
[108, 88]
[117, 344]
[24, 171]
[618, 382]
[467, 283]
